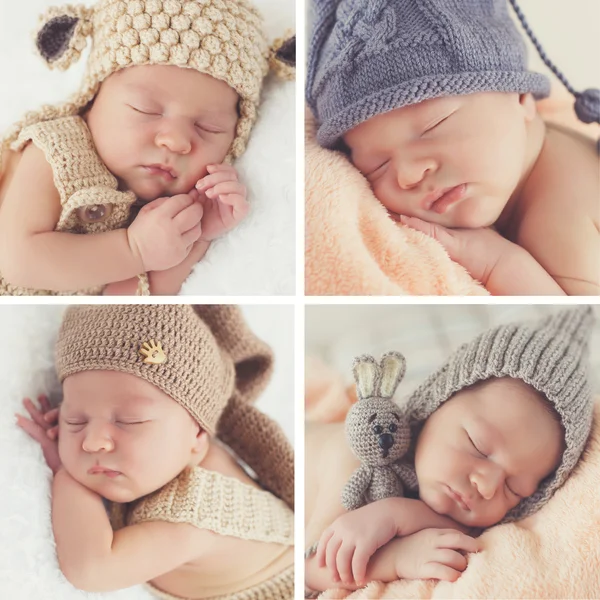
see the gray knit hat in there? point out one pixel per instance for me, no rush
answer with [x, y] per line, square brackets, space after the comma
[551, 356]
[368, 57]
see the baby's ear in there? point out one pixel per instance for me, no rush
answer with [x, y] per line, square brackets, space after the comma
[282, 57]
[62, 35]
[201, 445]
[527, 101]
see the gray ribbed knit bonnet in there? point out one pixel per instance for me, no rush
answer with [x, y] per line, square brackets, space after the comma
[367, 57]
[551, 356]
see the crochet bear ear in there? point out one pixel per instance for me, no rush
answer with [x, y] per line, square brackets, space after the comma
[62, 35]
[282, 57]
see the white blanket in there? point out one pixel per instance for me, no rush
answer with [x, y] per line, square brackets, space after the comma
[28, 564]
[257, 258]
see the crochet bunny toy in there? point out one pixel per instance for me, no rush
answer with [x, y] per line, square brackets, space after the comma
[377, 431]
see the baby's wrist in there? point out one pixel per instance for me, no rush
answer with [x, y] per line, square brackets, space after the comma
[135, 253]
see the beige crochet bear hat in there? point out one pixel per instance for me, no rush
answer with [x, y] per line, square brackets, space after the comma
[204, 357]
[222, 38]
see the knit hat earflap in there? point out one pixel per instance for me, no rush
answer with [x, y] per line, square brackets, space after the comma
[222, 38]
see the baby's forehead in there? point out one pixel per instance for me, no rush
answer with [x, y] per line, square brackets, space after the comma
[100, 400]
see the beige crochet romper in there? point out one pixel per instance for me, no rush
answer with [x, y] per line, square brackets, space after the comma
[224, 505]
[88, 191]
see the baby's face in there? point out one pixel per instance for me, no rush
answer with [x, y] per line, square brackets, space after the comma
[123, 423]
[484, 450]
[156, 128]
[475, 145]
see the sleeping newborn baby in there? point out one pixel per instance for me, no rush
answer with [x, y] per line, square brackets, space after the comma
[168, 101]
[149, 406]
[437, 110]
[494, 433]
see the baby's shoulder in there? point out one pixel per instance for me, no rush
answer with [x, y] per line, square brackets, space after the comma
[566, 171]
[560, 216]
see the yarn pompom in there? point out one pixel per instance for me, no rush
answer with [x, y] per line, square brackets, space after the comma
[587, 106]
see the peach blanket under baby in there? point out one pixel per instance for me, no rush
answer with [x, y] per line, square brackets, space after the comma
[552, 554]
[354, 248]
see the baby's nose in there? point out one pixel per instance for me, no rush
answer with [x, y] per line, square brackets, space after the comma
[175, 137]
[97, 440]
[411, 173]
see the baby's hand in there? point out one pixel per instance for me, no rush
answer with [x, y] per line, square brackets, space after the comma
[224, 200]
[346, 546]
[165, 230]
[434, 554]
[478, 250]
[42, 427]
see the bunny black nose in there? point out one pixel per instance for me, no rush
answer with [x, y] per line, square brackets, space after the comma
[386, 441]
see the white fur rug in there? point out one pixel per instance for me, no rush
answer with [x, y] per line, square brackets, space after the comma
[28, 565]
[257, 258]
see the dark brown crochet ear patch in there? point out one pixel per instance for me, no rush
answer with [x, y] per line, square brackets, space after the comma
[287, 52]
[54, 37]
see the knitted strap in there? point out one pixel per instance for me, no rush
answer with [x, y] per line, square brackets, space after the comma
[221, 504]
[587, 103]
[143, 288]
[80, 177]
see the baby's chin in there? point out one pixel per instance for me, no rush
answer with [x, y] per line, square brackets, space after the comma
[149, 189]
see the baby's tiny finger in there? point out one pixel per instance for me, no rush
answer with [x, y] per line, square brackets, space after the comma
[322, 547]
[52, 432]
[34, 412]
[220, 167]
[330, 558]
[51, 415]
[226, 187]
[344, 563]
[213, 179]
[44, 403]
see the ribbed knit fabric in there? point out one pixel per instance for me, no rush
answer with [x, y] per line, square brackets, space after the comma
[204, 357]
[222, 38]
[551, 356]
[280, 587]
[224, 505]
[88, 191]
[368, 57]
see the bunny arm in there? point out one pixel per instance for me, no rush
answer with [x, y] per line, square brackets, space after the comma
[353, 494]
[405, 474]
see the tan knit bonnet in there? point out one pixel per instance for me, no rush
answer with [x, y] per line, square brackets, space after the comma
[204, 357]
[222, 38]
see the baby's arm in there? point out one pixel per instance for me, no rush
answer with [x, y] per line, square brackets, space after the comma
[95, 559]
[504, 268]
[163, 283]
[33, 255]
[427, 554]
[347, 545]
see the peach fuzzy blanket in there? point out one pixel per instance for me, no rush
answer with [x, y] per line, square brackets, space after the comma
[354, 248]
[552, 554]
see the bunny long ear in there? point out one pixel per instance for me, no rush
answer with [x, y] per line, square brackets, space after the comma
[282, 57]
[393, 367]
[366, 374]
[62, 34]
